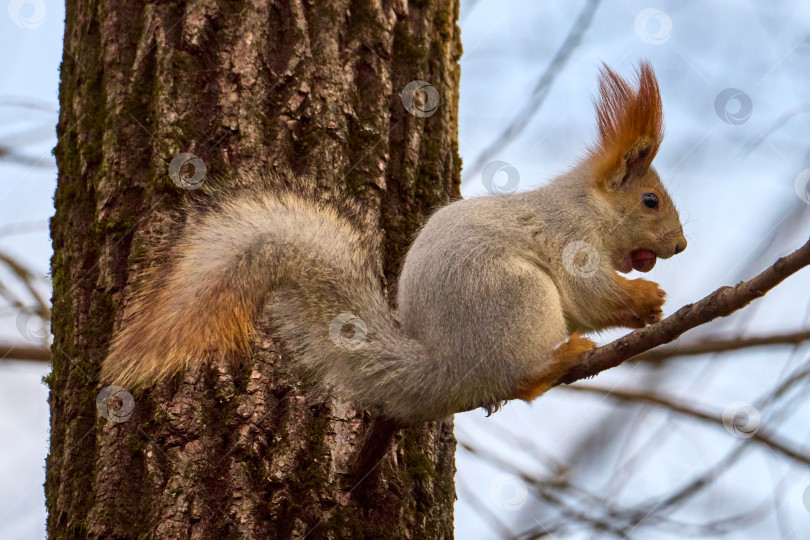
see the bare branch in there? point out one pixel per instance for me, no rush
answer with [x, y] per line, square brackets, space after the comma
[541, 90]
[718, 345]
[684, 409]
[721, 303]
[702, 481]
[550, 490]
[7, 154]
[28, 103]
[24, 352]
[28, 277]
[24, 227]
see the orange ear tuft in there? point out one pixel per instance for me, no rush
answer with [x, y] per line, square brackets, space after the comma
[631, 125]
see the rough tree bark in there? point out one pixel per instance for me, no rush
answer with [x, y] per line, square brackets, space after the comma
[227, 452]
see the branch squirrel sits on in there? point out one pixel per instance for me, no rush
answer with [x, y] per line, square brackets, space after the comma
[493, 295]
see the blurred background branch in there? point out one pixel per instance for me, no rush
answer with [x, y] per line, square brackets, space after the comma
[717, 345]
[33, 124]
[540, 92]
[23, 352]
[673, 404]
[26, 122]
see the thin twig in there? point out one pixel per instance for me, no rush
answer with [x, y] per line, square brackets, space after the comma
[24, 227]
[685, 409]
[28, 277]
[717, 345]
[24, 352]
[541, 90]
[7, 154]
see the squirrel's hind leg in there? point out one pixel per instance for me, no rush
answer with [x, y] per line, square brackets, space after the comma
[563, 358]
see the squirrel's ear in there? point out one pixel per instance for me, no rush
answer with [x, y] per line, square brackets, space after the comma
[630, 127]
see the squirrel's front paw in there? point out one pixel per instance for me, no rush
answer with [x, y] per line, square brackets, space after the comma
[641, 305]
[647, 300]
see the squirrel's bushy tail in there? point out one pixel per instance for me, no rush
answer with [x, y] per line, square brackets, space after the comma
[326, 299]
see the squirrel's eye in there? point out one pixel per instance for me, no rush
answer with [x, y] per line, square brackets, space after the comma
[650, 200]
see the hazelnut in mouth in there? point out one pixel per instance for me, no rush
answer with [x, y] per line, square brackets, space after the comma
[642, 260]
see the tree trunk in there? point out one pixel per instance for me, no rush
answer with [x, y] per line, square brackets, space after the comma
[238, 452]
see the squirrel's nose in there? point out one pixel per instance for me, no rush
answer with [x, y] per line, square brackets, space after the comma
[680, 246]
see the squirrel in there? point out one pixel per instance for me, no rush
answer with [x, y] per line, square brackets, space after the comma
[493, 297]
